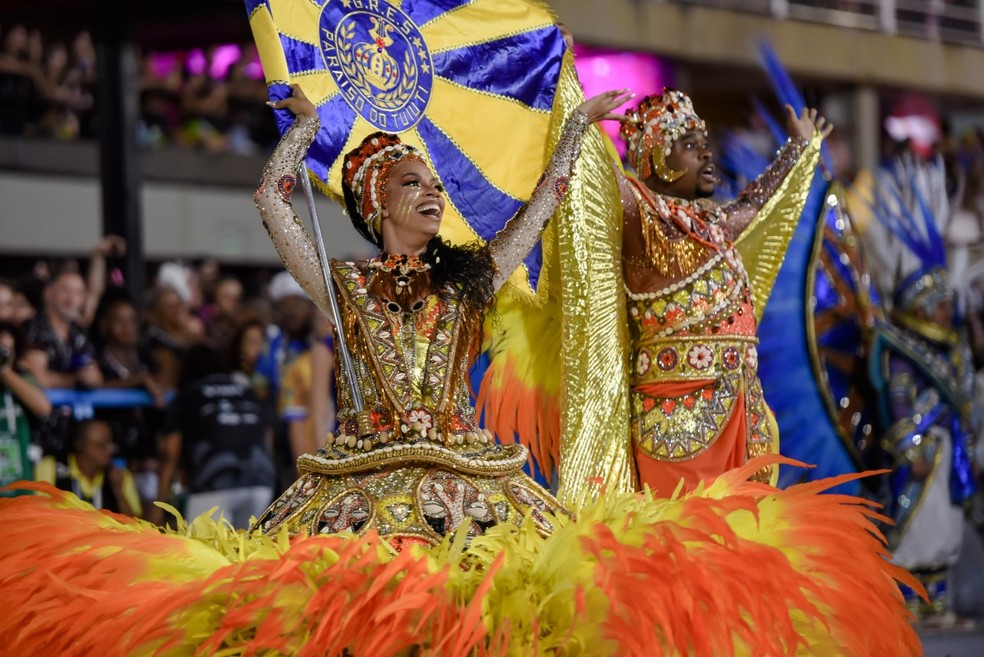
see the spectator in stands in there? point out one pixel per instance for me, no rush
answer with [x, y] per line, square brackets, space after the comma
[245, 349]
[206, 275]
[247, 117]
[303, 409]
[21, 399]
[59, 353]
[116, 334]
[291, 336]
[218, 431]
[109, 246]
[167, 338]
[83, 72]
[90, 472]
[205, 111]
[116, 340]
[159, 103]
[172, 328]
[290, 339]
[22, 309]
[6, 301]
[20, 84]
[221, 315]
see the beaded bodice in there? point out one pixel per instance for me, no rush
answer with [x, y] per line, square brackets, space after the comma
[697, 328]
[411, 367]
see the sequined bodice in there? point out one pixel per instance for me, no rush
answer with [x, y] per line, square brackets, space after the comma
[697, 328]
[410, 367]
[410, 363]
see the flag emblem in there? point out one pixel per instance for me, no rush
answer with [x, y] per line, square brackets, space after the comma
[378, 58]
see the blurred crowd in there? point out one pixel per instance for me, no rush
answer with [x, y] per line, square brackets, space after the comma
[208, 396]
[211, 100]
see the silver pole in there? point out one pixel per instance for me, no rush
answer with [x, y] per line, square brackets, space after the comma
[330, 288]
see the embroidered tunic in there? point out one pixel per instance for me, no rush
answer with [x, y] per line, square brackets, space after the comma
[696, 400]
[925, 387]
[414, 465]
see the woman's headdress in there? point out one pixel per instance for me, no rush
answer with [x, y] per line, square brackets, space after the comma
[365, 172]
[656, 124]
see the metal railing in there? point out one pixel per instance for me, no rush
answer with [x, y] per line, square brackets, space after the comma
[84, 402]
[958, 21]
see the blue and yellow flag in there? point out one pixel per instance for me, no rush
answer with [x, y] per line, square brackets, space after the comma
[471, 83]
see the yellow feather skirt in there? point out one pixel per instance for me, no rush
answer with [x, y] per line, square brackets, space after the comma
[734, 568]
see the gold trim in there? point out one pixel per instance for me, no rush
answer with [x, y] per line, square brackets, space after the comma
[925, 328]
[482, 462]
[819, 374]
[682, 370]
[319, 516]
[727, 390]
[670, 257]
[595, 443]
[316, 494]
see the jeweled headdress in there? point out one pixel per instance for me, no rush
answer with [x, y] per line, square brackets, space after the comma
[656, 124]
[366, 171]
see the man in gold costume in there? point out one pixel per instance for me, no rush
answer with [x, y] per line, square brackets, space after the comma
[697, 407]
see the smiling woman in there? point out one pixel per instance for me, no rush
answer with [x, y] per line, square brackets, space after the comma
[414, 465]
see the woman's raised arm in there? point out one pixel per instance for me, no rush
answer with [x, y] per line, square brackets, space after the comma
[514, 242]
[287, 232]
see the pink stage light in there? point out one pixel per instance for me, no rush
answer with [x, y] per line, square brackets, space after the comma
[223, 57]
[253, 68]
[196, 62]
[162, 64]
[601, 70]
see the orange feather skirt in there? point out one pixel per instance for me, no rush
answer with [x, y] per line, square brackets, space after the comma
[732, 568]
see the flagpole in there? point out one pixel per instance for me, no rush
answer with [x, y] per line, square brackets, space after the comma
[362, 418]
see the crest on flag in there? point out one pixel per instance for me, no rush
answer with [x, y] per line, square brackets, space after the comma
[379, 61]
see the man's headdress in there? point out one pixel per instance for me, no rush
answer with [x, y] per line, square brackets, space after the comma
[656, 124]
[902, 207]
[364, 175]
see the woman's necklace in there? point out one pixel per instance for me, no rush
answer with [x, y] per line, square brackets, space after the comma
[406, 281]
[404, 268]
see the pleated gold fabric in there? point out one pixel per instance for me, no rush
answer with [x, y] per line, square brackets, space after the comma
[595, 448]
[764, 243]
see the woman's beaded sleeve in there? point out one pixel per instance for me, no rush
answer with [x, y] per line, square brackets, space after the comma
[287, 231]
[743, 209]
[514, 242]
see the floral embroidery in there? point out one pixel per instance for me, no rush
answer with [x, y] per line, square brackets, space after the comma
[285, 185]
[560, 187]
[731, 358]
[700, 357]
[420, 415]
[667, 359]
[643, 362]
[751, 357]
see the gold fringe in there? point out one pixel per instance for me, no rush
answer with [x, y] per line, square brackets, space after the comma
[671, 258]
